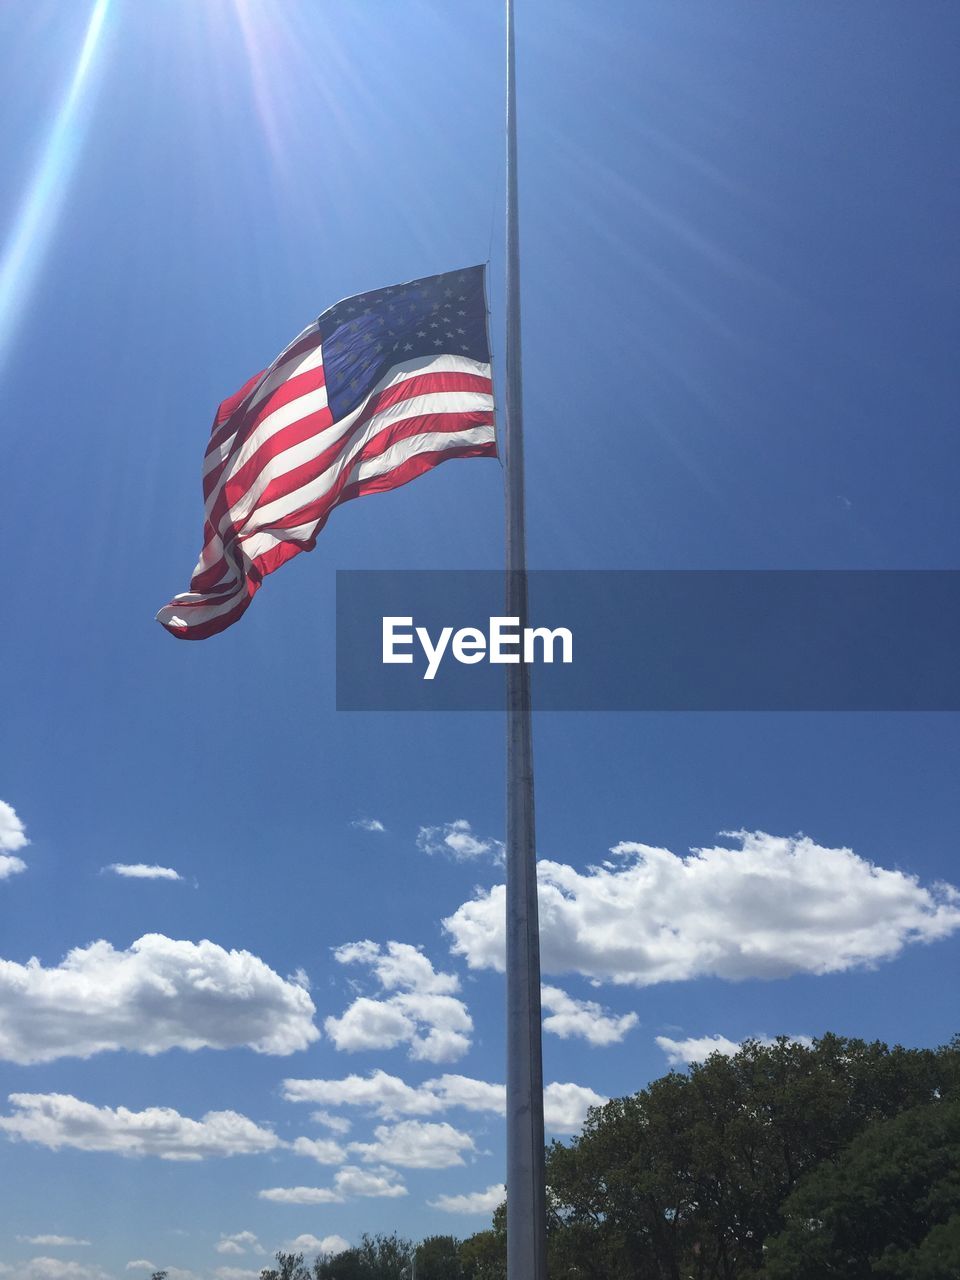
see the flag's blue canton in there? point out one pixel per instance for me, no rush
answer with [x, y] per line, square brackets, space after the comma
[364, 335]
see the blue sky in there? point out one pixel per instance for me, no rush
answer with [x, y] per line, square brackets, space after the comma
[740, 275]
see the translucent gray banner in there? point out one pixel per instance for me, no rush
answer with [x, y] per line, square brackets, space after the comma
[690, 640]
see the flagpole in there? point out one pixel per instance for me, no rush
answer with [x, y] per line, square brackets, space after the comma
[526, 1196]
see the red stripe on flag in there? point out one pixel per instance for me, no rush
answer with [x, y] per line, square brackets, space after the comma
[236, 405]
[237, 485]
[202, 630]
[230, 405]
[416, 466]
[271, 560]
[290, 482]
[243, 425]
[395, 479]
[260, 467]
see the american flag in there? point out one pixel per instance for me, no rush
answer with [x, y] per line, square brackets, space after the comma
[381, 388]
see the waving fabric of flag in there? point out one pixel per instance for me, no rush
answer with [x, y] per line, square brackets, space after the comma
[381, 388]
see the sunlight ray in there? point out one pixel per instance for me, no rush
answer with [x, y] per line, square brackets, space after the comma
[38, 213]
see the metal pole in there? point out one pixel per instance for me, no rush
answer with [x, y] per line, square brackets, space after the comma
[526, 1196]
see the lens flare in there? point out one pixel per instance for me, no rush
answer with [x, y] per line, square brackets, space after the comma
[37, 216]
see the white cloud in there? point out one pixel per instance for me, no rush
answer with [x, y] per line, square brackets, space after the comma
[328, 1245]
[141, 871]
[565, 1104]
[336, 1124]
[53, 1241]
[10, 866]
[466, 1092]
[370, 1024]
[239, 1242]
[695, 1049]
[180, 1273]
[423, 1014]
[323, 1150]
[384, 1094]
[235, 1273]
[474, 1202]
[301, 1195]
[699, 1048]
[12, 837]
[570, 1017]
[348, 1182]
[398, 967]
[159, 994]
[353, 1181]
[442, 1027]
[59, 1269]
[457, 840]
[770, 908]
[368, 824]
[58, 1120]
[13, 834]
[416, 1144]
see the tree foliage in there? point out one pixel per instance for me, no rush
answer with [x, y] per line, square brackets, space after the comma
[889, 1207]
[378, 1257]
[839, 1159]
[438, 1258]
[484, 1256]
[290, 1266]
[686, 1178]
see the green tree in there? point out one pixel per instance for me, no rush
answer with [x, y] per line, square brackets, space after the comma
[290, 1266]
[938, 1256]
[348, 1265]
[686, 1178]
[889, 1207]
[484, 1256]
[438, 1258]
[388, 1257]
[378, 1257]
